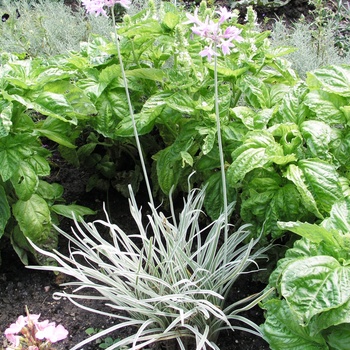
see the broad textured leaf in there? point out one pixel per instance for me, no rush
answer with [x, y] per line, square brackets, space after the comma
[213, 201]
[283, 333]
[256, 92]
[5, 211]
[323, 180]
[292, 109]
[169, 164]
[256, 152]
[40, 165]
[333, 79]
[338, 337]
[61, 139]
[144, 120]
[147, 73]
[25, 181]
[50, 191]
[339, 217]
[333, 317]
[72, 210]
[12, 151]
[289, 136]
[33, 217]
[318, 184]
[326, 106]
[314, 285]
[318, 136]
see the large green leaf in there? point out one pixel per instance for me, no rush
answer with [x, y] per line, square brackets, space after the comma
[25, 181]
[314, 285]
[14, 149]
[5, 211]
[144, 120]
[72, 211]
[317, 182]
[283, 332]
[33, 217]
[318, 136]
[333, 79]
[326, 106]
[257, 151]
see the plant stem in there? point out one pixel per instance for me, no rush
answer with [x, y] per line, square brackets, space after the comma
[221, 154]
[131, 111]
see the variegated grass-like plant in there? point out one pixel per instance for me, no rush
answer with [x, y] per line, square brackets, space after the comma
[171, 285]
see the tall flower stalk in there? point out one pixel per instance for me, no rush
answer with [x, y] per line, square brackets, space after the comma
[217, 39]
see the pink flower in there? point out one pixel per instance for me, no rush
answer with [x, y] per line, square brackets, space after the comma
[224, 14]
[233, 33]
[225, 47]
[213, 33]
[97, 6]
[21, 322]
[208, 52]
[193, 19]
[50, 332]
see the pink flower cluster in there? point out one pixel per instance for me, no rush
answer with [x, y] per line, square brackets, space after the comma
[97, 6]
[29, 333]
[213, 33]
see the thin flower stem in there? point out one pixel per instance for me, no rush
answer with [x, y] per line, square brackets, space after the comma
[221, 154]
[131, 111]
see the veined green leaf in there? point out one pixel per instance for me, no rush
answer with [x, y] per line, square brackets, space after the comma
[326, 106]
[339, 217]
[314, 285]
[169, 164]
[147, 73]
[49, 191]
[323, 181]
[295, 174]
[11, 154]
[24, 181]
[33, 217]
[318, 136]
[40, 165]
[283, 332]
[289, 136]
[5, 212]
[333, 79]
[338, 337]
[213, 201]
[256, 92]
[256, 152]
[144, 120]
[72, 210]
[314, 233]
[245, 162]
[170, 20]
[61, 139]
[292, 109]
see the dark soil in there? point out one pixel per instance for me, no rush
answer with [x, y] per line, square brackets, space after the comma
[20, 286]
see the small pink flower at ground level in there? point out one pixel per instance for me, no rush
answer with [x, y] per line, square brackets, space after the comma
[97, 6]
[51, 332]
[34, 334]
[21, 322]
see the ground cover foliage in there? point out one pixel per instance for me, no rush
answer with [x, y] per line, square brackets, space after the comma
[285, 140]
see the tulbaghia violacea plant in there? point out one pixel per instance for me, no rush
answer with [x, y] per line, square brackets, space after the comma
[170, 286]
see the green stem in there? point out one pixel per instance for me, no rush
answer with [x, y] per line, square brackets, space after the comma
[131, 111]
[221, 155]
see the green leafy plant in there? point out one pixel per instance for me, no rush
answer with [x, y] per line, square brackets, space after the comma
[38, 105]
[310, 308]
